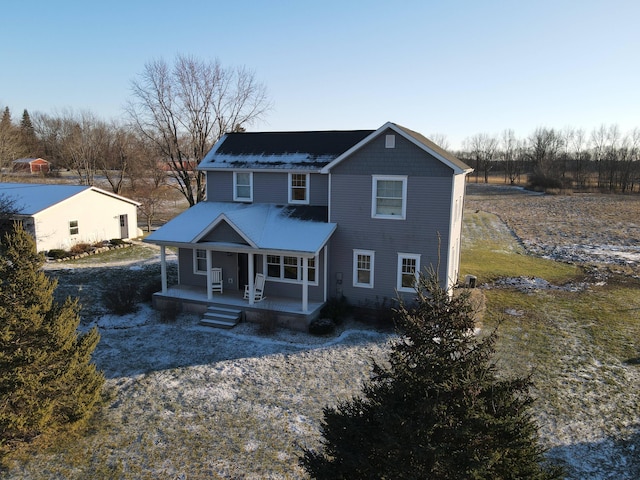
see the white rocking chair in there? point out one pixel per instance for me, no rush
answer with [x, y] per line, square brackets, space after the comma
[216, 280]
[258, 289]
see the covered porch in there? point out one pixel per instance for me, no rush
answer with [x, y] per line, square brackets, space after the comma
[224, 249]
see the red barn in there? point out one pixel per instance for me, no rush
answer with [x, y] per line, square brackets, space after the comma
[31, 165]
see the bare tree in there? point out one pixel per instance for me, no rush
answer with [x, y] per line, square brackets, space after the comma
[483, 148]
[186, 108]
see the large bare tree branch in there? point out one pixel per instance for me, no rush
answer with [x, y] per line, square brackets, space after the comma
[185, 109]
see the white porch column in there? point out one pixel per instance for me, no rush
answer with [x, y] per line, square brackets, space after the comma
[251, 282]
[209, 267]
[325, 272]
[305, 284]
[163, 268]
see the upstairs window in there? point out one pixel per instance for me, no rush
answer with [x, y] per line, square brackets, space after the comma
[299, 188]
[73, 227]
[243, 186]
[389, 198]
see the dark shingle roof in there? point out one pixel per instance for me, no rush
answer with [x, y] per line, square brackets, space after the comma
[281, 149]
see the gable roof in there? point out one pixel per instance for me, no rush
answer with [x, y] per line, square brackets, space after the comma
[31, 198]
[271, 227]
[457, 165]
[30, 160]
[280, 150]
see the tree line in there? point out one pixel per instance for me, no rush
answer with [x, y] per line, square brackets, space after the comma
[605, 159]
[175, 114]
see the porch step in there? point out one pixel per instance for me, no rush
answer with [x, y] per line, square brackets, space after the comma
[221, 317]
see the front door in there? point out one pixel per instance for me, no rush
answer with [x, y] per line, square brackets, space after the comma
[124, 226]
[243, 269]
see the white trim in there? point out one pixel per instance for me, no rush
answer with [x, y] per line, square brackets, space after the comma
[306, 188]
[410, 256]
[372, 255]
[236, 198]
[374, 195]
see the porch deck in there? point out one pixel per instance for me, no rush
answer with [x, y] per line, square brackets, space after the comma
[288, 310]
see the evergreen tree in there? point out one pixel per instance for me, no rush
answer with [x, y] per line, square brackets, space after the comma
[28, 133]
[437, 410]
[47, 379]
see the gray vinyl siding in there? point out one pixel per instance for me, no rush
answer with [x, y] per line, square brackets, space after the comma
[229, 265]
[224, 233]
[268, 187]
[425, 230]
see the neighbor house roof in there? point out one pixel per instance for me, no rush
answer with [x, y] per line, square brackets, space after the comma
[30, 160]
[31, 198]
[280, 150]
[262, 226]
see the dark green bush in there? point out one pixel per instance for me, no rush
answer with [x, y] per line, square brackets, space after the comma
[322, 326]
[117, 241]
[337, 309]
[121, 298]
[57, 253]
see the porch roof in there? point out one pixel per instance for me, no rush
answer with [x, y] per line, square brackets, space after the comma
[263, 227]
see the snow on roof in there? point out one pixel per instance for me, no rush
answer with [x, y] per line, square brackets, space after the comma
[280, 150]
[31, 198]
[265, 226]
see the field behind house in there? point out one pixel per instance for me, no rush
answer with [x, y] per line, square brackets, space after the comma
[186, 401]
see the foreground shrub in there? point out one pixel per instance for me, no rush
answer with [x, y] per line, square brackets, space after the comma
[436, 409]
[47, 380]
[121, 298]
[150, 287]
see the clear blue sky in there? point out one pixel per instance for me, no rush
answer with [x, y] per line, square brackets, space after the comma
[451, 67]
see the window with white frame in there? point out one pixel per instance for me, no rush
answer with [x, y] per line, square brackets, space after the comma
[389, 197]
[299, 188]
[290, 269]
[243, 186]
[200, 261]
[408, 270]
[73, 227]
[363, 261]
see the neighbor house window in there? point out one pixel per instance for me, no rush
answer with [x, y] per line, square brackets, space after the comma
[243, 186]
[298, 188]
[73, 227]
[363, 268]
[408, 270]
[200, 261]
[389, 199]
[289, 269]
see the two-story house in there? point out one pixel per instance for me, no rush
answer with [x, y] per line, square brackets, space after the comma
[315, 215]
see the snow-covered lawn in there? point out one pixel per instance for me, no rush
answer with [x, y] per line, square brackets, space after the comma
[187, 401]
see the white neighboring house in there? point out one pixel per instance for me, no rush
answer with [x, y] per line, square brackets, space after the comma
[60, 216]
